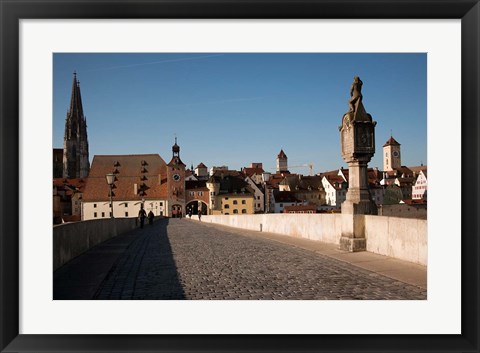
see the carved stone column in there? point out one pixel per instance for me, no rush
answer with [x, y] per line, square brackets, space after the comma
[357, 137]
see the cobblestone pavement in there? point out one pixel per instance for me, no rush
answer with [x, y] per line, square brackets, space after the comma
[181, 259]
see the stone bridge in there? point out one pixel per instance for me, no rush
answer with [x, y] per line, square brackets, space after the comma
[187, 259]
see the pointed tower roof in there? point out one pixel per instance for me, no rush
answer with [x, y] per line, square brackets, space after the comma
[391, 142]
[76, 108]
[282, 154]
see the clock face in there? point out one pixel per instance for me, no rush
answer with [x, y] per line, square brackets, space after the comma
[176, 177]
[395, 153]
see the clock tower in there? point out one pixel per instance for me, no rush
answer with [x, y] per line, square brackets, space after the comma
[176, 183]
[391, 155]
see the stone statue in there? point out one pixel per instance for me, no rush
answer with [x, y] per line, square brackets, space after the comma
[355, 93]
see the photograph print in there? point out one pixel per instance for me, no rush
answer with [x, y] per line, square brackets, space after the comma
[240, 176]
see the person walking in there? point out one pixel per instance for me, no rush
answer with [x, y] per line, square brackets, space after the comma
[200, 216]
[150, 217]
[141, 215]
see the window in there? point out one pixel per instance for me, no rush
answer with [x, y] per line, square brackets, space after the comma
[235, 202]
[281, 205]
[244, 202]
[161, 203]
[258, 197]
[126, 204]
[95, 214]
[126, 214]
[192, 193]
[103, 214]
[226, 198]
[244, 211]
[200, 193]
[95, 206]
[227, 213]
[227, 206]
[235, 211]
[110, 214]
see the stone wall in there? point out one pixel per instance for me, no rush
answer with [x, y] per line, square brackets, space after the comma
[401, 238]
[404, 211]
[322, 227]
[72, 239]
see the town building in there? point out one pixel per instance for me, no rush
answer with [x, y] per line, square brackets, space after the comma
[230, 194]
[419, 189]
[255, 172]
[75, 143]
[282, 199]
[67, 199]
[201, 172]
[139, 180]
[308, 189]
[335, 186]
[259, 194]
[142, 179]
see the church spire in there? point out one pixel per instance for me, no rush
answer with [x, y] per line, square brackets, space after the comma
[75, 150]
[76, 108]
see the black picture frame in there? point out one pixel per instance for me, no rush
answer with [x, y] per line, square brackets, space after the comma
[12, 11]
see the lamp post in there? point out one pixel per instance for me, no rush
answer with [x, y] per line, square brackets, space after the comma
[110, 180]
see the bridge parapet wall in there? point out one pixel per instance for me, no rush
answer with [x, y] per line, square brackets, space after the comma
[401, 238]
[73, 239]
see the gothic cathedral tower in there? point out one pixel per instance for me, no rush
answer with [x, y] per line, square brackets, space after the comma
[75, 141]
[176, 183]
[391, 155]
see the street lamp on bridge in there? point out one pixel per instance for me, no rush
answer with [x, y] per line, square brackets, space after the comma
[110, 180]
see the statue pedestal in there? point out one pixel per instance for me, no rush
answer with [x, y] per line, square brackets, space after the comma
[353, 225]
[357, 204]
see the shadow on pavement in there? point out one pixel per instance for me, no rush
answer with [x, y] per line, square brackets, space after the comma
[135, 265]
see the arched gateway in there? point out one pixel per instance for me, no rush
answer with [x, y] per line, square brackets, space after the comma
[195, 205]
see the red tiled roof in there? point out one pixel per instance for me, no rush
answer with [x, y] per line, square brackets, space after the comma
[201, 165]
[252, 171]
[276, 179]
[300, 208]
[77, 183]
[145, 170]
[391, 142]
[282, 154]
[415, 202]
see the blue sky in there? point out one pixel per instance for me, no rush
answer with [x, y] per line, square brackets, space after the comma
[234, 109]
